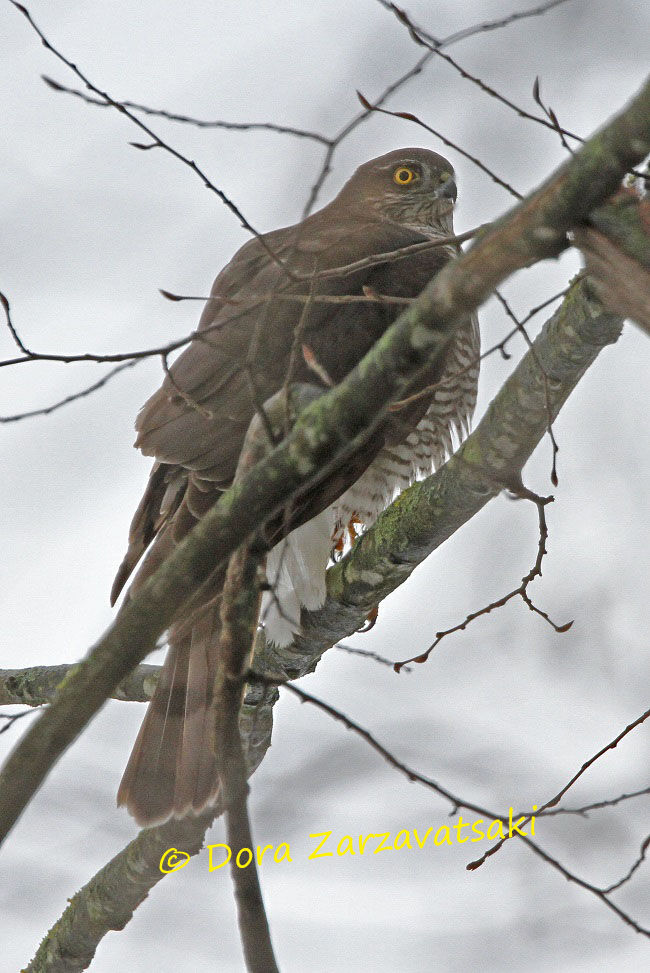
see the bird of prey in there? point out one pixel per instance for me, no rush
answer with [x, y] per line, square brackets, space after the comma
[271, 322]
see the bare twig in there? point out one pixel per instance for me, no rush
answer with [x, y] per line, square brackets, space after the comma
[48, 409]
[595, 806]
[424, 39]
[157, 141]
[331, 143]
[486, 25]
[560, 794]
[163, 351]
[413, 72]
[368, 654]
[10, 719]
[628, 875]
[375, 298]
[239, 612]
[389, 256]
[410, 117]
[189, 401]
[522, 590]
[552, 117]
[352, 124]
[459, 804]
[392, 255]
[189, 119]
[576, 880]
[130, 356]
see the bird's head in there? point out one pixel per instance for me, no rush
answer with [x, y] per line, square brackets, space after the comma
[413, 187]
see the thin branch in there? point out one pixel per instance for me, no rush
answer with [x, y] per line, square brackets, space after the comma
[352, 124]
[413, 72]
[374, 298]
[10, 720]
[628, 875]
[521, 590]
[576, 880]
[459, 804]
[157, 141]
[595, 806]
[130, 356]
[410, 117]
[250, 301]
[393, 255]
[553, 119]
[12, 328]
[368, 654]
[189, 119]
[48, 409]
[592, 760]
[161, 351]
[333, 142]
[343, 270]
[424, 39]
[486, 25]
[560, 794]
[189, 401]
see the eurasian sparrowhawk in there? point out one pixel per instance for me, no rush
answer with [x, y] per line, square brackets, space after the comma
[265, 327]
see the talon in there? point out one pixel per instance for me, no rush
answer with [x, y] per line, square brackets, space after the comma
[345, 534]
[371, 620]
[353, 523]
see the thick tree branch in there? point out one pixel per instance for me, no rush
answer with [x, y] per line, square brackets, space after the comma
[239, 614]
[107, 902]
[38, 684]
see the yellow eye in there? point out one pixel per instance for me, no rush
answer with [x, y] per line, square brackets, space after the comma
[403, 176]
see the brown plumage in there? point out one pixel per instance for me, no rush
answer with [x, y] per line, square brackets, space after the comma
[195, 426]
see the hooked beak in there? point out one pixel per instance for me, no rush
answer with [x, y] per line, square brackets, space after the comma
[448, 190]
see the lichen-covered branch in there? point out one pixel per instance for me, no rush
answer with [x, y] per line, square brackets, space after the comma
[38, 684]
[239, 613]
[107, 902]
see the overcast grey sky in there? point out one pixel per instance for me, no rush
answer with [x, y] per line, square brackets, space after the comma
[503, 713]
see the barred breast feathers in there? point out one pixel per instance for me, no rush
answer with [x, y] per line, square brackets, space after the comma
[296, 566]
